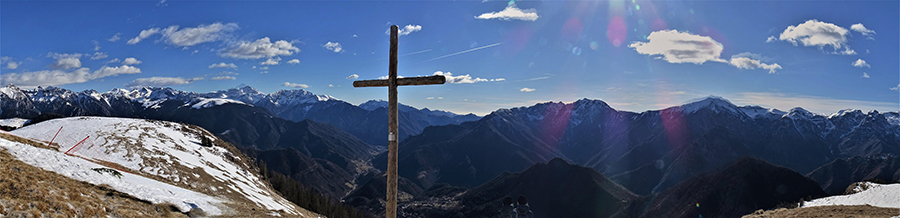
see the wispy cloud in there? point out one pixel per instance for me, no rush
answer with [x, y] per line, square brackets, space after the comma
[295, 85]
[188, 36]
[223, 78]
[822, 105]
[99, 55]
[223, 65]
[294, 61]
[526, 89]
[161, 81]
[466, 51]
[353, 76]
[870, 34]
[115, 37]
[865, 75]
[511, 12]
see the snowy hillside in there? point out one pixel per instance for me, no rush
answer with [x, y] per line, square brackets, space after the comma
[874, 194]
[138, 186]
[173, 153]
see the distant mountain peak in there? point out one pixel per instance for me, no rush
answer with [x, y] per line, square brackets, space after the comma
[712, 102]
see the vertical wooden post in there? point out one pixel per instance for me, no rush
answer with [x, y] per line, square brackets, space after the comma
[391, 210]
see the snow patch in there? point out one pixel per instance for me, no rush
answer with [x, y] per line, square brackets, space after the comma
[878, 195]
[210, 102]
[14, 122]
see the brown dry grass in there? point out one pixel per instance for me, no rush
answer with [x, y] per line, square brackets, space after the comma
[860, 211]
[28, 191]
[240, 206]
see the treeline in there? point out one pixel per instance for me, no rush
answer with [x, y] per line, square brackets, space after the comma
[310, 199]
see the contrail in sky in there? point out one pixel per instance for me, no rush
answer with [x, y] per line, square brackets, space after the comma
[474, 49]
[422, 51]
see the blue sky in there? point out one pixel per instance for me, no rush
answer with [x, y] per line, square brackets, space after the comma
[635, 55]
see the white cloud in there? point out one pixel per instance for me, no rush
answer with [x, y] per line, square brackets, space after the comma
[271, 61]
[223, 78]
[263, 72]
[896, 87]
[747, 63]
[160, 81]
[846, 51]
[511, 12]
[862, 29]
[354, 36]
[115, 60]
[61, 77]
[96, 45]
[99, 55]
[65, 61]
[860, 63]
[12, 65]
[115, 38]
[526, 89]
[131, 61]
[353, 76]
[865, 75]
[816, 33]
[293, 61]
[409, 28]
[259, 49]
[429, 98]
[143, 35]
[264, 68]
[34, 79]
[295, 85]
[223, 65]
[333, 46]
[464, 78]
[771, 39]
[196, 35]
[330, 85]
[112, 71]
[680, 47]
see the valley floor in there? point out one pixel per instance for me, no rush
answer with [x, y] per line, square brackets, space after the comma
[828, 211]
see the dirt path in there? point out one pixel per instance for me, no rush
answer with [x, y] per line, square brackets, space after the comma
[828, 211]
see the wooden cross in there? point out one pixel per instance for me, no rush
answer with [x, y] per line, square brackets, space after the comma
[392, 82]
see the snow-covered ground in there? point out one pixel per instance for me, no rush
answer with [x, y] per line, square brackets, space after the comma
[137, 186]
[169, 150]
[14, 122]
[876, 195]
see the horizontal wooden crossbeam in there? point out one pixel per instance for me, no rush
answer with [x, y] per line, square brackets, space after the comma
[406, 81]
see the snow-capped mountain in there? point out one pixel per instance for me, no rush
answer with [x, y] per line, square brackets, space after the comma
[174, 154]
[292, 105]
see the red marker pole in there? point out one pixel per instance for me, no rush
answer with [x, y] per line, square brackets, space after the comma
[76, 145]
[54, 137]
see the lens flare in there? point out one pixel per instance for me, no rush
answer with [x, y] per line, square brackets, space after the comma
[571, 30]
[616, 31]
[576, 51]
[594, 45]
